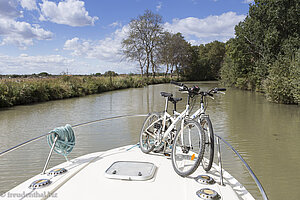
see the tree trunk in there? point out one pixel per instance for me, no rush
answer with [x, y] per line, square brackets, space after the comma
[177, 70]
[153, 65]
[141, 67]
[167, 71]
[147, 64]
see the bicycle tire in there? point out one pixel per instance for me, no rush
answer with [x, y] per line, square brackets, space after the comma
[208, 155]
[147, 140]
[187, 151]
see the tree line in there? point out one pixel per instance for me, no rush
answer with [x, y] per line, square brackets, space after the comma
[156, 50]
[263, 56]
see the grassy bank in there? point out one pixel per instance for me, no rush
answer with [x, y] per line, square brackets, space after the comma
[30, 90]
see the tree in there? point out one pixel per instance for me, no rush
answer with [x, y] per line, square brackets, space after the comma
[264, 55]
[270, 29]
[173, 52]
[181, 53]
[166, 51]
[110, 73]
[44, 74]
[134, 52]
[205, 61]
[142, 41]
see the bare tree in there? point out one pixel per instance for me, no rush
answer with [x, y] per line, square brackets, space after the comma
[142, 41]
[134, 52]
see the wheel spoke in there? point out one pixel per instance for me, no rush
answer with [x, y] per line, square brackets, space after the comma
[188, 148]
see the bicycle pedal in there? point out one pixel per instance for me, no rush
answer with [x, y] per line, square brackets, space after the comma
[167, 154]
[158, 149]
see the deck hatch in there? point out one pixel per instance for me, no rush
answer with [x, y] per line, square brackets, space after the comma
[131, 170]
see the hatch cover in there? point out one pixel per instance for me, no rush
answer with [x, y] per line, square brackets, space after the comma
[131, 170]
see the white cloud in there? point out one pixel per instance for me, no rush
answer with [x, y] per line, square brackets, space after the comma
[8, 9]
[17, 32]
[248, 1]
[116, 24]
[207, 29]
[105, 54]
[68, 12]
[158, 7]
[56, 64]
[25, 64]
[21, 34]
[29, 4]
[107, 49]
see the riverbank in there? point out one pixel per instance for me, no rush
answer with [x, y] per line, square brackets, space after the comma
[31, 90]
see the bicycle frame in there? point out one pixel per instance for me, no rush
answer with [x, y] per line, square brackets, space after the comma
[200, 111]
[180, 116]
[174, 120]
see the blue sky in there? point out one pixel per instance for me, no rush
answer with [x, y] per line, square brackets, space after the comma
[84, 36]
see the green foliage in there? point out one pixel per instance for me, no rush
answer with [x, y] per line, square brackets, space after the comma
[229, 72]
[44, 74]
[283, 82]
[173, 52]
[205, 61]
[264, 41]
[110, 73]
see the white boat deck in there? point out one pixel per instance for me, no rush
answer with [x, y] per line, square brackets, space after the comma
[85, 179]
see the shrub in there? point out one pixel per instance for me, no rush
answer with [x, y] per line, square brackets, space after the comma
[283, 82]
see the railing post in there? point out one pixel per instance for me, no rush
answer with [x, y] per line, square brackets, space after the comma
[50, 153]
[220, 161]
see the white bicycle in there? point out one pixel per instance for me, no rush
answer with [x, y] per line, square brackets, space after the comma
[187, 144]
[206, 124]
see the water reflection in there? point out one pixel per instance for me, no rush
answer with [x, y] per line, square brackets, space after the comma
[266, 134]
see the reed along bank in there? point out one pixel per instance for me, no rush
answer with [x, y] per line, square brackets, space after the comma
[19, 91]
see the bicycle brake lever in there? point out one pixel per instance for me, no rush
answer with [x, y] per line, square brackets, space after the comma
[221, 92]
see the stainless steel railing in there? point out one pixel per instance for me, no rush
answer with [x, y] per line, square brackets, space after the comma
[260, 187]
[74, 126]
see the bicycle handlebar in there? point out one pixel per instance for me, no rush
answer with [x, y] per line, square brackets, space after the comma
[220, 89]
[195, 90]
[176, 83]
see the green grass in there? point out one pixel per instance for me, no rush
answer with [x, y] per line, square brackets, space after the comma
[25, 91]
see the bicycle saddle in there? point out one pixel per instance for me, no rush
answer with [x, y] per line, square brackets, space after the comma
[165, 94]
[174, 100]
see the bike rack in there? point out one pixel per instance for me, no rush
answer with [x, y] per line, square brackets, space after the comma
[260, 187]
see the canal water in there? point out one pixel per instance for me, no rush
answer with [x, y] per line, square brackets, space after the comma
[267, 135]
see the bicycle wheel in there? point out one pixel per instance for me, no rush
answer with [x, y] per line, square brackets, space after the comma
[150, 132]
[188, 148]
[208, 155]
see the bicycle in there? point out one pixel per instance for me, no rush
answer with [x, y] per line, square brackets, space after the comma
[206, 124]
[188, 143]
[155, 123]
